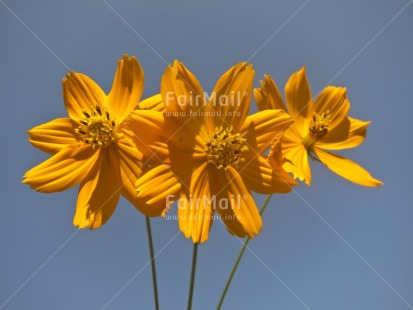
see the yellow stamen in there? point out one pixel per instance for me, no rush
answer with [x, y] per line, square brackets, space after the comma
[319, 124]
[97, 128]
[318, 128]
[224, 147]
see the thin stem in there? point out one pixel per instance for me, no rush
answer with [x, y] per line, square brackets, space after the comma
[241, 253]
[191, 286]
[155, 285]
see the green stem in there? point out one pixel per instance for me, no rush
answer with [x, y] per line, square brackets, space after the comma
[155, 285]
[191, 286]
[241, 253]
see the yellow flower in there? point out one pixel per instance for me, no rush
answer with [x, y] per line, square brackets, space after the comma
[208, 152]
[319, 126]
[90, 148]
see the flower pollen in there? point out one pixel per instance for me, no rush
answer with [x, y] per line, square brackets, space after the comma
[224, 147]
[97, 128]
[319, 124]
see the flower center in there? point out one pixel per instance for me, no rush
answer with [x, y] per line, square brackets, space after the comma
[319, 124]
[318, 129]
[224, 147]
[97, 128]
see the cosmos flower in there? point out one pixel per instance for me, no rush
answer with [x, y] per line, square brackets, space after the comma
[209, 152]
[89, 147]
[318, 126]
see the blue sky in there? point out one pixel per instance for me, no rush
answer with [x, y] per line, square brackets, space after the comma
[332, 246]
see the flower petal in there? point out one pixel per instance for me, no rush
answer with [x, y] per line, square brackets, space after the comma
[348, 134]
[261, 128]
[127, 88]
[185, 100]
[152, 132]
[275, 156]
[236, 206]
[130, 160]
[180, 89]
[296, 158]
[53, 136]
[195, 207]
[260, 177]
[298, 95]
[63, 170]
[268, 96]
[152, 103]
[80, 93]
[232, 96]
[99, 193]
[157, 189]
[332, 99]
[347, 169]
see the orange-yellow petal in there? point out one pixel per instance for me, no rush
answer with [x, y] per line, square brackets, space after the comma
[296, 158]
[334, 101]
[80, 93]
[261, 128]
[53, 136]
[260, 177]
[99, 193]
[195, 207]
[268, 96]
[158, 187]
[348, 134]
[298, 96]
[236, 206]
[180, 89]
[232, 95]
[152, 132]
[275, 156]
[127, 88]
[152, 103]
[347, 169]
[184, 98]
[130, 160]
[63, 170]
